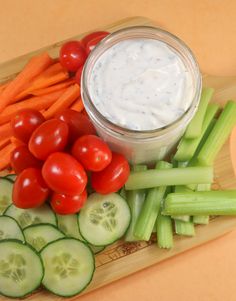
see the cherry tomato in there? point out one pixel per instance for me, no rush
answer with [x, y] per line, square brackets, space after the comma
[92, 39]
[78, 75]
[21, 158]
[29, 189]
[51, 136]
[64, 174]
[92, 152]
[78, 123]
[72, 55]
[25, 122]
[65, 204]
[113, 177]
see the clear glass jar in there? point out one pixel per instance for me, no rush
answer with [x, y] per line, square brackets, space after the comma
[142, 146]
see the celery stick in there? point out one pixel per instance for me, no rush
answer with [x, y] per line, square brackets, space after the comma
[154, 230]
[194, 128]
[202, 219]
[219, 134]
[182, 189]
[135, 199]
[151, 207]
[201, 203]
[164, 232]
[187, 147]
[184, 228]
[169, 177]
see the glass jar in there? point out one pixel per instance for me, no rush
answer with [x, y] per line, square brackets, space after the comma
[142, 146]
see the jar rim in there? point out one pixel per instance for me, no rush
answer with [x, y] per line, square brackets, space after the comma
[139, 32]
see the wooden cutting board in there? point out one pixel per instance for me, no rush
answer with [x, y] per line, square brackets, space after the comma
[122, 259]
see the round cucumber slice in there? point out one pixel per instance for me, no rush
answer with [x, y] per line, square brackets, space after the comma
[21, 269]
[6, 187]
[68, 224]
[27, 217]
[9, 229]
[104, 219]
[40, 235]
[69, 266]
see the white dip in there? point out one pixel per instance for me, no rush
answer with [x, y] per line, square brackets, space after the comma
[141, 84]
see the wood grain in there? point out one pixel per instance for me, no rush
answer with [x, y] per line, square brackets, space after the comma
[122, 259]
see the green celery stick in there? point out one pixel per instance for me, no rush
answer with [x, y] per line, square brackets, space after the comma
[154, 230]
[164, 232]
[202, 219]
[187, 147]
[182, 189]
[194, 160]
[135, 199]
[218, 135]
[184, 228]
[169, 177]
[151, 207]
[194, 128]
[201, 203]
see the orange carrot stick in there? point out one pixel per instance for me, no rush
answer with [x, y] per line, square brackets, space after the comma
[4, 142]
[53, 88]
[34, 67]
[5, 155]
[16, 141]
[63, 102]
[36, 102]
[5, 131]
[43, 82]
[78, 105]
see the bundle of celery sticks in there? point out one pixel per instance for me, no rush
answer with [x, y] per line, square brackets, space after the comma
[176, 196]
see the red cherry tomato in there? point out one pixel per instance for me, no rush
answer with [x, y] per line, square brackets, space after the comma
[25, 122]
[78, 123]
[92, 39]
[113, 177]
[21, 158]
[92, 152]
[65, 204]
[51, 136]
[64, 174]
[72, 55]
[78, 75]
[29, 190]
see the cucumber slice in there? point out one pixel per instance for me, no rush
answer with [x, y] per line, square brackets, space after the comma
[9, 229]
[68, 224]
[27, 217]
[11, 177]
[6, 187]
[69, 266]
[104, 219]
[21, 269]
[40, 235]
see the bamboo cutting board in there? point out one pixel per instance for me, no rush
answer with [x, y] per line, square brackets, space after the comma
[122, 259]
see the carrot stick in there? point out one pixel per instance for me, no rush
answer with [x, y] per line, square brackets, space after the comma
[43, 82]
[5, 131]
[34, 67]
[63, 102]
[78, 105]
[5, 155]
[16, 142]
[4, 142]
[53, 88]
[3, 86]
[36, 102]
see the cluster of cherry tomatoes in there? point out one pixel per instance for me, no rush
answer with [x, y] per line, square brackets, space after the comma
[58, 158]
[73, 54]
